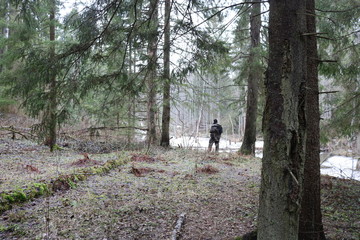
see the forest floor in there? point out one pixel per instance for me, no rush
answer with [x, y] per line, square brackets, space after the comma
[144, 198]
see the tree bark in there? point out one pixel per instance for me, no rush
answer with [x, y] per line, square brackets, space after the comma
[311, 227]
[165, 131]
[52, 108]
[283, 123]
[248, 144]
[5, 31]
[151, 71]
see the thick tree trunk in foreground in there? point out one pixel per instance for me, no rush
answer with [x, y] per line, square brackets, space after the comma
[165, 131]
[151, 72]
[283, 123]
[311, 227]
[248, 144]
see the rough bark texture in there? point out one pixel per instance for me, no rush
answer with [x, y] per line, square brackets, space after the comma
[311, 227]
[248, 144]
[283, 123]
[165, 133]
[151, 72]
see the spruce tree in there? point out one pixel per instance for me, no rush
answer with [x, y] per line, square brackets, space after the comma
[254, 77]
[283, 123]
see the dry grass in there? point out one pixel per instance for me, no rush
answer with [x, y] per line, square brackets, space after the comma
[144, 198]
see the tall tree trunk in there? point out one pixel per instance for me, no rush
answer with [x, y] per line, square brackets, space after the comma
[165, 131]
[131, 104]
[151, 71]
[283, 123]
[5, 32]
[52, 115]
[311, 227]
[248, 144]
[198, 122]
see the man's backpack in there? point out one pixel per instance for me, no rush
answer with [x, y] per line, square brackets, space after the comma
[214, 129]
[215, 133]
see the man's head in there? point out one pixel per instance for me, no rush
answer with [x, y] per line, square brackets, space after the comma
[215, 121]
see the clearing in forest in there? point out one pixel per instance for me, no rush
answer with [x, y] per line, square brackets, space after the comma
[146, 196]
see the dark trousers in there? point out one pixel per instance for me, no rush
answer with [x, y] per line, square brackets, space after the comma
[211, 142]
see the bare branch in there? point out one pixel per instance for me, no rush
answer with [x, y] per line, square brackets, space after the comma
[327, 60]
[327, 92]
[338, 11]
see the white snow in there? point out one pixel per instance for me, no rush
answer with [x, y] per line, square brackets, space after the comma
[336, 166]
[341, 167]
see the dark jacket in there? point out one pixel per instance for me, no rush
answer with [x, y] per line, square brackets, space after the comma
[216, 135]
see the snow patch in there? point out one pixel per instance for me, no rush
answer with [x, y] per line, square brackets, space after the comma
[336, 166]
[341, 167]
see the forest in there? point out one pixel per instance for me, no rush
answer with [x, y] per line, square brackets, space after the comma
[106, 108]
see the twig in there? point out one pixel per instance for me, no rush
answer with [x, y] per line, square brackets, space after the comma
[177, 229]
[327, 60]
[293, 176]
[328, 92]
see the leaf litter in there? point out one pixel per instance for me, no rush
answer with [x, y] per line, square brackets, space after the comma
[123, 205]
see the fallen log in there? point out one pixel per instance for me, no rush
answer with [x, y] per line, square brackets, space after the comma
[177, 229]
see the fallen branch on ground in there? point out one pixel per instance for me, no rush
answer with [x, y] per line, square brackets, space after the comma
[24, 132]
[177, 229]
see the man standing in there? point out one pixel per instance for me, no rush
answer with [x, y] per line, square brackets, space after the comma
[215, 134]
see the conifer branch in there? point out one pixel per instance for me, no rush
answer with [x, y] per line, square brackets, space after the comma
[327, 92]
[213, 15]
[327, 60]
[312, 34]
[338, 11]
[327, 38]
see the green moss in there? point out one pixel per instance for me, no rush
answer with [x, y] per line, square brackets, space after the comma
[40, 189]
[19, 196]
[57, 148]
[8, 197]
[71, 183]
[14, 197]
[2, 228]
[79, 177]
